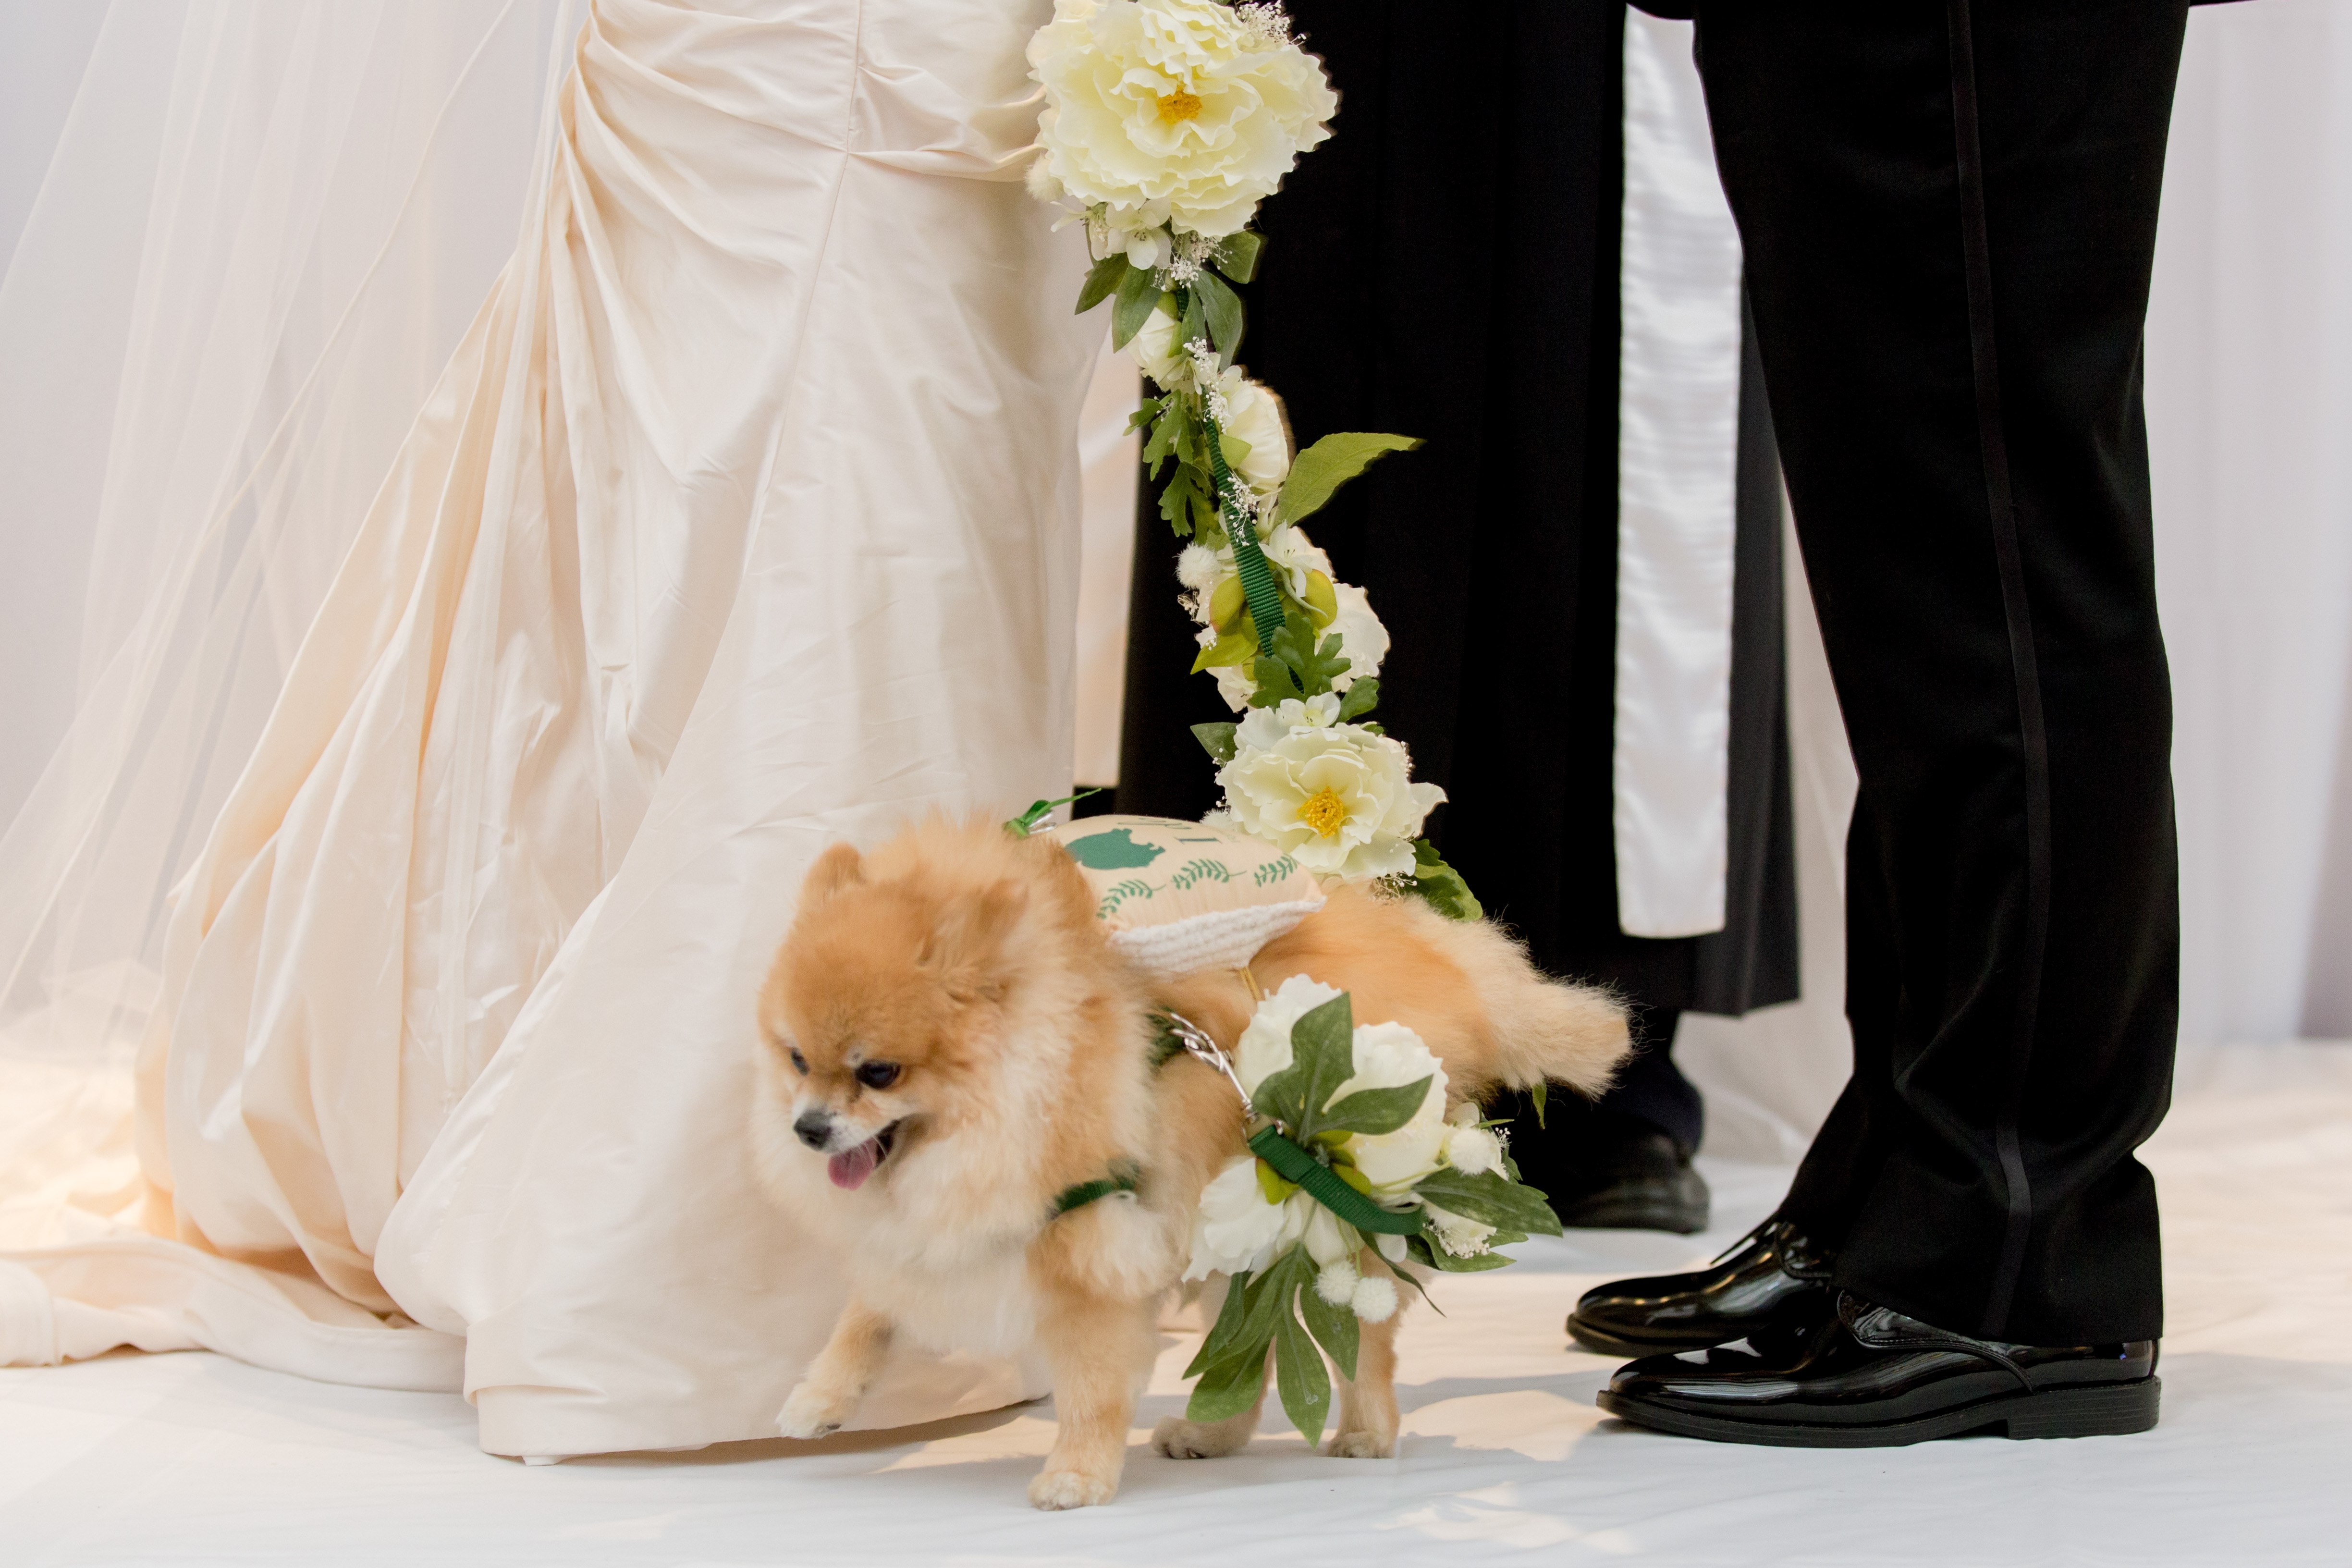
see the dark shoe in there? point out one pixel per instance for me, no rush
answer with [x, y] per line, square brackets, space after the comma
[1773, 1276]
[1869, 1377]
[1631, 1179]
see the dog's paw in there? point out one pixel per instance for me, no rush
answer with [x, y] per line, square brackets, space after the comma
[1070, 1489]
[1181, 1439]
[808, 1413]
[1362, 1446]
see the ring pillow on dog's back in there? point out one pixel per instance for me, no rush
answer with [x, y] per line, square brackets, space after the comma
[1180, 895]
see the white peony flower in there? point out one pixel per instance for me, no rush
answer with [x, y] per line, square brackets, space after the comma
[1160, 354]
[1268, 727]
[1330, 1239]
[1376, 1298]
[1234, 1229]
[1252, 414]
[1299, 1211]
[1362, 636]
[1234, 682]
[1173, 112]
[1390, 1056]
[1461, 1237]
[1338, 798]
[1264, 1048]
[1474, 1151]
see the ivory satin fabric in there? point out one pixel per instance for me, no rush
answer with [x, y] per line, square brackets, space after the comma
[744, 518]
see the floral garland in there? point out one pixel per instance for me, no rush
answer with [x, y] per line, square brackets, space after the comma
[1353, 1155]
[1166, 124]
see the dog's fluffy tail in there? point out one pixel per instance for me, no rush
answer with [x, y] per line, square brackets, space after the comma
[1538, 1030]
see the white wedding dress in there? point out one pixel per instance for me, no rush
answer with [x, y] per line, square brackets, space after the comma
[745, 518]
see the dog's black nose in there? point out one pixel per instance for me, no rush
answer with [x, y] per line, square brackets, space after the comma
[813, 1128]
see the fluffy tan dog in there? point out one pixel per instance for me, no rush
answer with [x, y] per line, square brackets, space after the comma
[950, 1044]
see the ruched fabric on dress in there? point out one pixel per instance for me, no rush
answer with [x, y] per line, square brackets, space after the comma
[744, 518]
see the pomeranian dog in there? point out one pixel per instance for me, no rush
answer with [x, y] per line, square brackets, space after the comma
[951, 1043]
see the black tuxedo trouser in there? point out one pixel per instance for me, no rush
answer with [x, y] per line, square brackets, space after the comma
[1949, 214]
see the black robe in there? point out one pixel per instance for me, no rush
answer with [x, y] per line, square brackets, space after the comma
[1446, 267]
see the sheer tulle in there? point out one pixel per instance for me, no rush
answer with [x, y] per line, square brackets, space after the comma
[258, 241]
[744, 516]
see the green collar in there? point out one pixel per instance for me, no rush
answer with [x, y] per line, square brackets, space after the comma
[1125, 1176]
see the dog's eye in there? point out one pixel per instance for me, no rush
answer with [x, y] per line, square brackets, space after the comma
[800, 1062]
[879, 1075]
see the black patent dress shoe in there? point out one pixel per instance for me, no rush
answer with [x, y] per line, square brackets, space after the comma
[1773, 1277]
[1635, 1179]
[1869, 1377]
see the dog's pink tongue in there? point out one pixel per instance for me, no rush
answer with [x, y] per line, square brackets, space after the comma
[850, 1170]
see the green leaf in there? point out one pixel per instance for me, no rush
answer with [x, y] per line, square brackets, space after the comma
[1440, 886]
[1102, 280]
[1233, 649]
[1271, 1297]
[1195, 325]
[1145, 412]
[1224, 309]
[1236, 255]
[1189, 448]
[1306, 668]
[1138, 297]
[1415, 1247]
[1536, 1096]
[1331, 462]
[1429, 1252]
[1298, 1375]
[1373, 1112]
[1217, 740]
[1275, 681]
[1322, 1058]
[1490, 1198]
[1227, 1388]
[1160, 445]
[1361, 697]
[1236, 1343]
[1222, 1340]
[1183, 501]
[1334, 1329]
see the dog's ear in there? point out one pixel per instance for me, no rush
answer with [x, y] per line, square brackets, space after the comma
[967, 941]
[834, 870]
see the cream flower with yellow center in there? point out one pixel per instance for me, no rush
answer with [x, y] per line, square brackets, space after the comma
[1338, 798]
[1173, 112]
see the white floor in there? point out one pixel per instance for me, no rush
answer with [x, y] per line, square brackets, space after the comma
[196, 1460]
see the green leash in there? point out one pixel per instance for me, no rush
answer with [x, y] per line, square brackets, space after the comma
[1313, 1178]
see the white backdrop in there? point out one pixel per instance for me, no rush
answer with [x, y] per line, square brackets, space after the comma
[2250, 394]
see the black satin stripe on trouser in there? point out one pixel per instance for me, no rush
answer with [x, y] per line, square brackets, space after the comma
[1950, 326]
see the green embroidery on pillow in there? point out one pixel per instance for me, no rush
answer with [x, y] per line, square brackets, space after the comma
[1200, 871]
[1118, 893]
[1274, 871]
[1115, 850]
